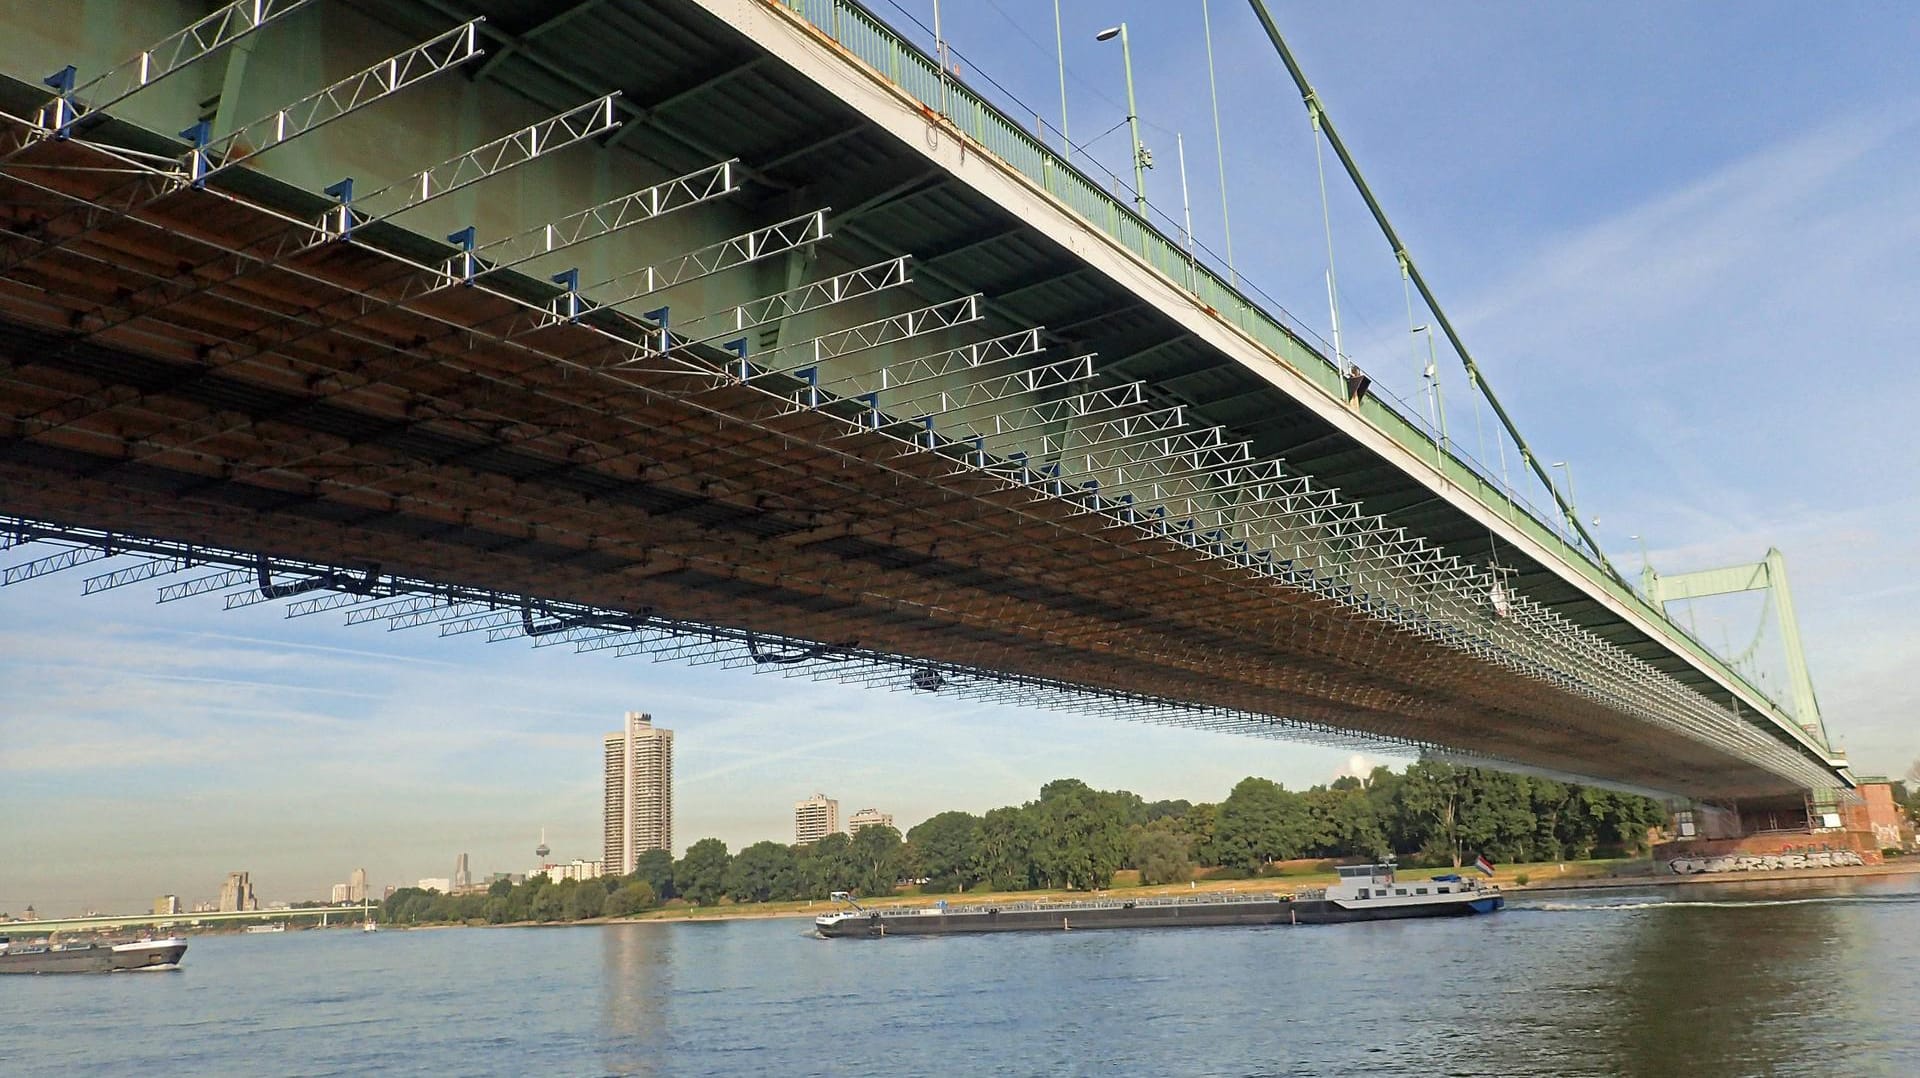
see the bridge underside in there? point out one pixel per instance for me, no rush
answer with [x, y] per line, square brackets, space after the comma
[160, 377]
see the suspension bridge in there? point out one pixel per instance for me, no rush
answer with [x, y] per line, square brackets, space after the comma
[745, 333]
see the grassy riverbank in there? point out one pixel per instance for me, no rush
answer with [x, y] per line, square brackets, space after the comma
[1539, 877]
[1125, 884]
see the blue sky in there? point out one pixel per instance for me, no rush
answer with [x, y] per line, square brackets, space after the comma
[1679, 239]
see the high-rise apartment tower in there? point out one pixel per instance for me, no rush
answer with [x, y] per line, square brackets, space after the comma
[866, 818]
[236, 895]
[814, 819]
[639, 793]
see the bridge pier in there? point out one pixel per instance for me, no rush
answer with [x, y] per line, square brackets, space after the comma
[1825, 828]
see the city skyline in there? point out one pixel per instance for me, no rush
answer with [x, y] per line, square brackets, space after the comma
[1664, 305]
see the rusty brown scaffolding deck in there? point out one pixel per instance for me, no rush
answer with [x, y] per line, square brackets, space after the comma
[160, 377]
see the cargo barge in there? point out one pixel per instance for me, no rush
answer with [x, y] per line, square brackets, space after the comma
[91, 957]
[1363, 893]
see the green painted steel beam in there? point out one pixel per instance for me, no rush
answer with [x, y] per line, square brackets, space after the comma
[1728, 581]
[1770, 576]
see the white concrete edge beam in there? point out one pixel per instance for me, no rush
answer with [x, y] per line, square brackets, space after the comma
[802, 47]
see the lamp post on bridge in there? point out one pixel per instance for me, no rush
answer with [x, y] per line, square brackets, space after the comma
[1141, 158]
[1436, 407]
[1060, 48]
[1573, 502]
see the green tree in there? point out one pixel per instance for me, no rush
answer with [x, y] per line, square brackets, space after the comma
[826, 866]
[633, 897]
[701, 876]
[500, 888]
[1160, 810]
[1352, 824]
[1003, 849]
[763, 871]
[547, 904]
[407, 905]
[1261, 822]
[943, 848]
[1199, 826]
[1160, 853]
[1080, 834]
[1430, 801]
[584, 901]
[655, 868]
[1628, 819]
[1495, 814]
[1550, 804]
[875, 856]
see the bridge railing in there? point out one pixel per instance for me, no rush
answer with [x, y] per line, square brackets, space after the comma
[864, 35]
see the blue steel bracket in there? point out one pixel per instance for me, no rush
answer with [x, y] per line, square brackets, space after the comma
[659, 316]
[567, 304]
[926, 421]
[464, 240]
[196, 161]
[872, 401]
[809, 375]
[738, 346]
[64, 112]
[344, 192]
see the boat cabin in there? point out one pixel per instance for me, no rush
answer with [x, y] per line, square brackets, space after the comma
[1372, 883]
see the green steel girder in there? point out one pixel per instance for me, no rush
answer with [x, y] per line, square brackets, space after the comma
[1769, 575]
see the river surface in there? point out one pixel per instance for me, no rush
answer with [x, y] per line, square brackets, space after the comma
[1817, 978]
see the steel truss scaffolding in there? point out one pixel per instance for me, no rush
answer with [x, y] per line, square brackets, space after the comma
[69, 111]
[368, 596]
[1257, 583]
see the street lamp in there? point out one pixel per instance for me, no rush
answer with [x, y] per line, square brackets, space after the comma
[1142, 160]
[1573, 502]
[1646, 570]
[1436, 407]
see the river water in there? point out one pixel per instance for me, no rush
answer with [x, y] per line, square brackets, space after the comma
[1753, 979]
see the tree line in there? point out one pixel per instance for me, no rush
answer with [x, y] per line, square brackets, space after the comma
[1074, 837]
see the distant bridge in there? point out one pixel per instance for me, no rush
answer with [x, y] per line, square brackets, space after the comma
[739, 332]
[22, 929]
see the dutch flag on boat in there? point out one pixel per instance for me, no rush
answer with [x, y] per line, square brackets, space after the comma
[1480, 862]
